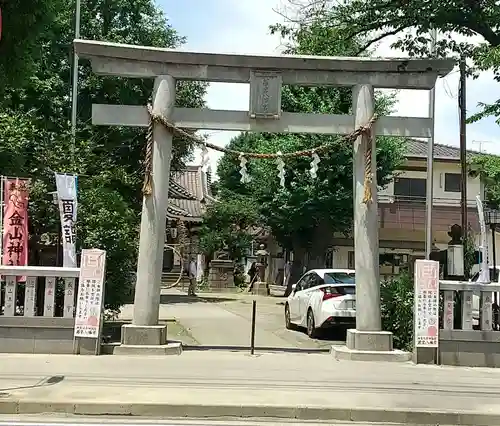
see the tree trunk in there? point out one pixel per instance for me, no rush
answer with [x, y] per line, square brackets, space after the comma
[316, 259]
[313, 258]
[297, 269]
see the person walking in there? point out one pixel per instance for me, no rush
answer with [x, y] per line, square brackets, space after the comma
[192, 277]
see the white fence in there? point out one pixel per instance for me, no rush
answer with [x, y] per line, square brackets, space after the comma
[47, 291]
[476, 302]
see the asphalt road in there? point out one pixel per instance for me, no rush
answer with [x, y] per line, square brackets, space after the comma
[51, 420]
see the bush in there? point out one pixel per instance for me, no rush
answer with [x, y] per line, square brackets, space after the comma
[397, 310]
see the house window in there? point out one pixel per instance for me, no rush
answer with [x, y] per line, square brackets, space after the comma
[452, 182]
[410, 189]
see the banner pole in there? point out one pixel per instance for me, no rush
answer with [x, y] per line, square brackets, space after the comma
[2, 180]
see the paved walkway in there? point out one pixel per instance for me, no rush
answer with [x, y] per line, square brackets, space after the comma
[225, 320]
[215, 384]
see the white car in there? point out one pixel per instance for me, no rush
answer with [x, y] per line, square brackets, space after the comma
[322, 298]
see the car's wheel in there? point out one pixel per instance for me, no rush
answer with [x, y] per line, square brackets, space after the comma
[288, 322]
[311, 326]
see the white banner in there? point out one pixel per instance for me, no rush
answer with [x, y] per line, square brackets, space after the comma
[67, 187]
[200, 262]
[484, 275]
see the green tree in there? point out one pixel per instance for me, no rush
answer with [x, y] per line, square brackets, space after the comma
[227, 225]
[24, 22]
[488, 168]
[397, 297]
[305, 214]
[34, 134]
[412, 22]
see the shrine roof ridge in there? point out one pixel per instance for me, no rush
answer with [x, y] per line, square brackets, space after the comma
[92, 48]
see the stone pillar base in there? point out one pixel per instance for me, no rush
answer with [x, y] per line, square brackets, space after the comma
[369, 340]
[260, 288]
[146, 340]
[369, 346]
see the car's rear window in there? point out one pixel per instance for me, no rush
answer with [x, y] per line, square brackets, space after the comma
[339, 278]
[347, 289]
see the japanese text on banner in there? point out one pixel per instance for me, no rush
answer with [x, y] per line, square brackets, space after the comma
[15, 219]
[426, 303]
[90, 293]
[68, 205]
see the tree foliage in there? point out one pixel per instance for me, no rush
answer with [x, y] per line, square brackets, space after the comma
[24, 22]
[398, 306]
[456, 20]
[304, 215]
[488, 168]
[227, 225]
[35, 140]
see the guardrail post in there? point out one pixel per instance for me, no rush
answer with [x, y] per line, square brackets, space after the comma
[467, 310]
[486, 310]
[448, 309]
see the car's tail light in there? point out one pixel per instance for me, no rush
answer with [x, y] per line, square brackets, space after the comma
[329, 293]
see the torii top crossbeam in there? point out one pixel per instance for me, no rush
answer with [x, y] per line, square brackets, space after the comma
[266, 75]
[141, 61]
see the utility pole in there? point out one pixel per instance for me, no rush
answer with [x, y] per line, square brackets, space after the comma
[463, 144]
[74, 94]
[430, 160]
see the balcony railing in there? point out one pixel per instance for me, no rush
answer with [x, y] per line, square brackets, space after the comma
[437, 201]
[409, 213]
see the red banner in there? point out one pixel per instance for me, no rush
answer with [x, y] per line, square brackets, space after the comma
[15, 223]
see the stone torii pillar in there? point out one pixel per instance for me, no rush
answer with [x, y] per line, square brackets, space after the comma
[368, 334]
[266, 75]
[144, 330]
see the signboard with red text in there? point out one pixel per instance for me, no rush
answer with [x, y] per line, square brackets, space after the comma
[426, 303]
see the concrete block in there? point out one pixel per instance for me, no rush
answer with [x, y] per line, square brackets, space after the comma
[37, 407]
[8, 406]
[347, 354]
[377, 416]
[167, 349]
[260, 288]
[144, 335]
[369, 340]
[424, 355]
[102, 408]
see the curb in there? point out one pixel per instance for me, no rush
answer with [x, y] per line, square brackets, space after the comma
[374, 415]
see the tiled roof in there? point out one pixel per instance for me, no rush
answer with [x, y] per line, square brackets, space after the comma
[175, 190]
[418, 149]
[189, 194]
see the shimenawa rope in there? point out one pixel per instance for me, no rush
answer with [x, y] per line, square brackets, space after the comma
[158, 118]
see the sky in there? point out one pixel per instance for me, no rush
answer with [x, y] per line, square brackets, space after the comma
[242, 26]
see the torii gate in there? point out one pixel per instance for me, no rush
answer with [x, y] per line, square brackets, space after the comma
[266, 75]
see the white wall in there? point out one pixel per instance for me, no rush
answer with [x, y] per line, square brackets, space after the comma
[441, 197]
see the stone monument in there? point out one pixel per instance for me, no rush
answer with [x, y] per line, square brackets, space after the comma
[221, 275]
[261, 287]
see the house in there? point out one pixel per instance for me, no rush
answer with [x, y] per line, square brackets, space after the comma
[402, 209]
[189, 195]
